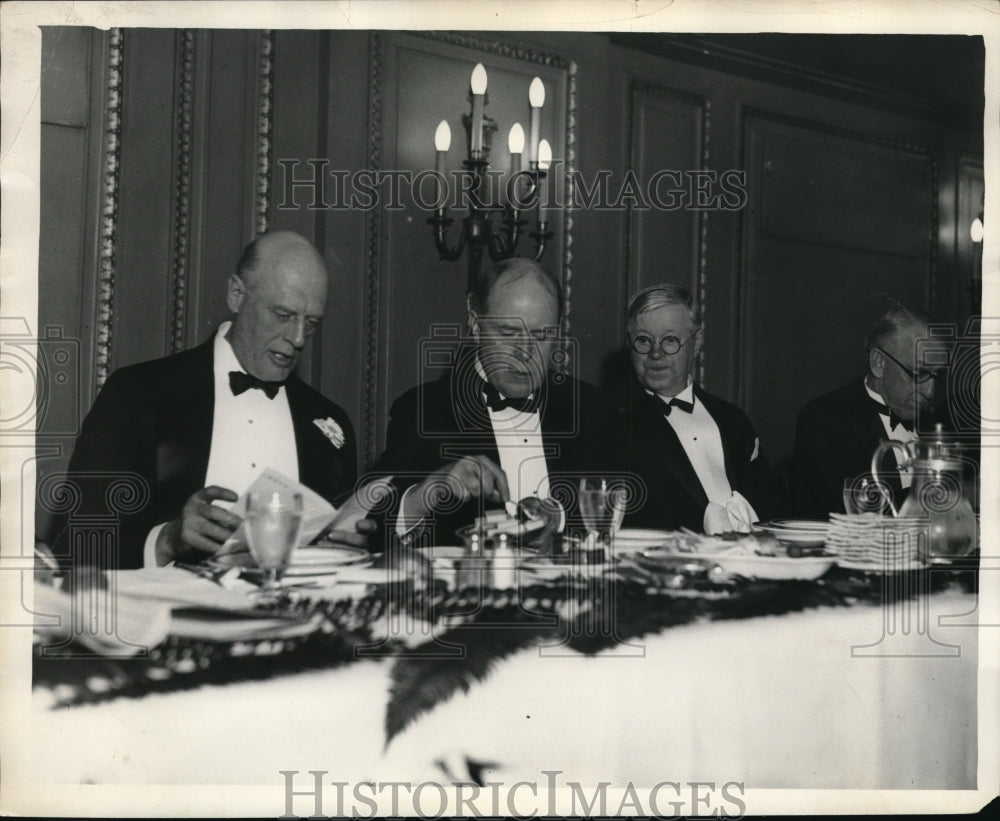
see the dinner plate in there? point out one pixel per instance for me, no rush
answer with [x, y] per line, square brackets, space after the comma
[752, 565]
[306, 561]
[555, 567]
[815, 525]
[806, 538]
[632, 540]
[879, 567]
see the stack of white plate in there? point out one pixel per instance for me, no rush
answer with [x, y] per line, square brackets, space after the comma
[879, 541]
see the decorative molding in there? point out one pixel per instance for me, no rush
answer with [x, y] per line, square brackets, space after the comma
[707, 52]
[569, 176]
[501, 49]
[631, 277]
[706, 125]
[107, 238]
[376, 68]
[182, 207]
[265, 109]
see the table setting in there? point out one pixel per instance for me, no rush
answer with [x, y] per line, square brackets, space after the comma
[435, 624]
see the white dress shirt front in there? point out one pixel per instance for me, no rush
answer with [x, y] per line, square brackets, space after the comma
[522, 453]
[699, 435]
[249, 433]
[518, 436]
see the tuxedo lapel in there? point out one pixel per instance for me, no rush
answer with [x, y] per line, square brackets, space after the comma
[733, 462]
[460, 417]
[185, 409]
[320, 460]
[652, 429]
[869, 432]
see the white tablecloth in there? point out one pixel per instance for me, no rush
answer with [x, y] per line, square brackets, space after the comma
[771, 702]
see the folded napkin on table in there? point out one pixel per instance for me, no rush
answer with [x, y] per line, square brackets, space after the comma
[122, 627]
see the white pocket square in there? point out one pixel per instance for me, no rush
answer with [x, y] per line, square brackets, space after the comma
[331, 430]
[756, 449]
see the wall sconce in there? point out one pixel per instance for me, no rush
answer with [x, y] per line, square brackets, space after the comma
[975, 286]
[976, 229]
[523, 190]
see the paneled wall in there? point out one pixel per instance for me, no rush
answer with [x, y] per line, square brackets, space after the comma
[165, 151]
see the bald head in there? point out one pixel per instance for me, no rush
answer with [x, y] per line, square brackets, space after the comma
[519, 274]
[278, 297]
[514, 316]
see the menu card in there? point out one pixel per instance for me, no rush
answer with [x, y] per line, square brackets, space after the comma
[317, 512]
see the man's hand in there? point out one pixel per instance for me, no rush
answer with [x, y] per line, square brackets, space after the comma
[470, 477]
[358, 537]
[202, 525]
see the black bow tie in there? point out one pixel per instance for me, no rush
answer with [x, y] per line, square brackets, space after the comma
[496, 402]
[680, 404]
[893, 419]
[240, 382]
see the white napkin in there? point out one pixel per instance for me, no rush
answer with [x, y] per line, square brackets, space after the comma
[736, 514]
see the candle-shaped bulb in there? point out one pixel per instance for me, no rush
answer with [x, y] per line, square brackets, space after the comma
[442, 137]
[544, 155]
[478, 81]
[536, 93]
[515, 140]
[536, 96]
[275, 501]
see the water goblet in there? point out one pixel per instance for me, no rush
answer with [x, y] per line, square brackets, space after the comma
[273, 525]
[602, 505]
[865, 494]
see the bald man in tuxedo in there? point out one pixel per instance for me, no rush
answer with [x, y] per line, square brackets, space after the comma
[193, 430]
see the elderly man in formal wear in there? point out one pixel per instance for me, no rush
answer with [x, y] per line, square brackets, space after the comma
[502, 422]
[836, 434]
[196, 428]
[698, 456]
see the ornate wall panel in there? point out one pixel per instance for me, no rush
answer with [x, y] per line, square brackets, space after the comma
[668, 139]
[836, 222]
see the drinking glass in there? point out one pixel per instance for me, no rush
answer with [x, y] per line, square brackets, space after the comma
[602, 505]
[273, 524]
[866, 495]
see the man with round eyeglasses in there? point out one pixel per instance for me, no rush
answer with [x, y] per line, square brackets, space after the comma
[837, 433]
[697, 455]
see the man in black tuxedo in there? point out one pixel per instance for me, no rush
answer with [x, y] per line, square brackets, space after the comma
[837, 434]
[697, 455]
[502, 425]
[196, 428]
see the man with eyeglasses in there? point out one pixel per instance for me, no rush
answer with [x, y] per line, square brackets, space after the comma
[837, 433]
[502, 420]
[196, 428]
[698, 455]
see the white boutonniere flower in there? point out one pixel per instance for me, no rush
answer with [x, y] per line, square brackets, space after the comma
[756, 449]
[331, 430]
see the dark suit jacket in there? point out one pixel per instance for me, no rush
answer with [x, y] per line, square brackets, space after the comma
[835, 437]
[438, 422]
[648, 446]
[153, 421]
